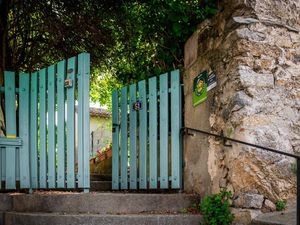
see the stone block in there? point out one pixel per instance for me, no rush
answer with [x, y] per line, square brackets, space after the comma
[250, 201]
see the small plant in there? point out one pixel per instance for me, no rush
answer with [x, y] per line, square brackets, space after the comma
[280, 205]
[216, 209]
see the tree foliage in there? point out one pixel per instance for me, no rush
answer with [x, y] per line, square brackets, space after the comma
[128, 40]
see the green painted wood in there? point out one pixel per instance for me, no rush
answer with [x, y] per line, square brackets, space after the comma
[61, 74]
[43, 129]
[51, 127]
[133, 138]
[71, 124]
[4, 141]
[11, 129]
[163, 130]
[86, 121]
[115, 140]
[80, 122]
[153, 132]
[175, 130]
[143, 136]
[83, 121]
[124, 139]
[34, 130]
[24, 130]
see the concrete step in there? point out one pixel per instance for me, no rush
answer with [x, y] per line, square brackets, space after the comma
[13, 218]
[276, 218]
[100, 186]
[100, 203]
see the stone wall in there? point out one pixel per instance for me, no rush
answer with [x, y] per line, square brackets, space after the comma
[253, 46]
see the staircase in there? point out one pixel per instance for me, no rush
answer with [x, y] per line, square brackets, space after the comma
[63, 208]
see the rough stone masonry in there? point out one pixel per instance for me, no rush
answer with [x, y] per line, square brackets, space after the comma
[253, 46]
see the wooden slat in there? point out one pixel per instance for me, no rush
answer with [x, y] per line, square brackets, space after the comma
[61, 74]
[132, 130]
[34, 130]
[124, 139]
[80, 122]
[115, 140]
[43, 129]
[84, 121]
[71, 124]
[175, 130]
[163, 125]
[153, 132]
[143, 136]
[11, 130]
[51, 128]
[24, 130]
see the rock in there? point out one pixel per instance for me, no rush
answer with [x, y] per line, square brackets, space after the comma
[269, 206]
[244, 216]
[250, 201]
[245, 20]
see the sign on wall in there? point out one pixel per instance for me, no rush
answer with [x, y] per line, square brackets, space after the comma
[211, 81]
[200, 88]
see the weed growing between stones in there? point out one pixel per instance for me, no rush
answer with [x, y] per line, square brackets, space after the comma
[280, 205]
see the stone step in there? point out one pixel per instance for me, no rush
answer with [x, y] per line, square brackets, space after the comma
[102, 177]
[14, 218]
[100, 203]
[100, 186]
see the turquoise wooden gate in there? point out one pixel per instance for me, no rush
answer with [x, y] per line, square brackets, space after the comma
[39, 150]
[147, 149]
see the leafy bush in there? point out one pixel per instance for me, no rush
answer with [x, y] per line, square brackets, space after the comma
[215, 209]
[280, 205]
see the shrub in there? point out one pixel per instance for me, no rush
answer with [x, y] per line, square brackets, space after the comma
[216, 209]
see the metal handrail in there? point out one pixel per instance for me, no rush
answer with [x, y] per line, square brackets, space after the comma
[187, 130]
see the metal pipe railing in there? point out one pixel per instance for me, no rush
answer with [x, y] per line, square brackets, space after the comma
[187, 130]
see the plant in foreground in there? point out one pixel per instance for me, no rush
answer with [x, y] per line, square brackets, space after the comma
[216, 209]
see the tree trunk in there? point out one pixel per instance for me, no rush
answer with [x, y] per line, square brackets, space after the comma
[3, 49]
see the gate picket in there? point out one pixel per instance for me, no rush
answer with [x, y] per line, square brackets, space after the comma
[143, 135]
[24, 130]
[133, 124]
[43, 122]
[61, 74]
[71, 123]
[51, 128]
[124, 139]
[11, 129]
[34, 130]
[164, 130]
[153, 132]
[115, 136]
[175, 129]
